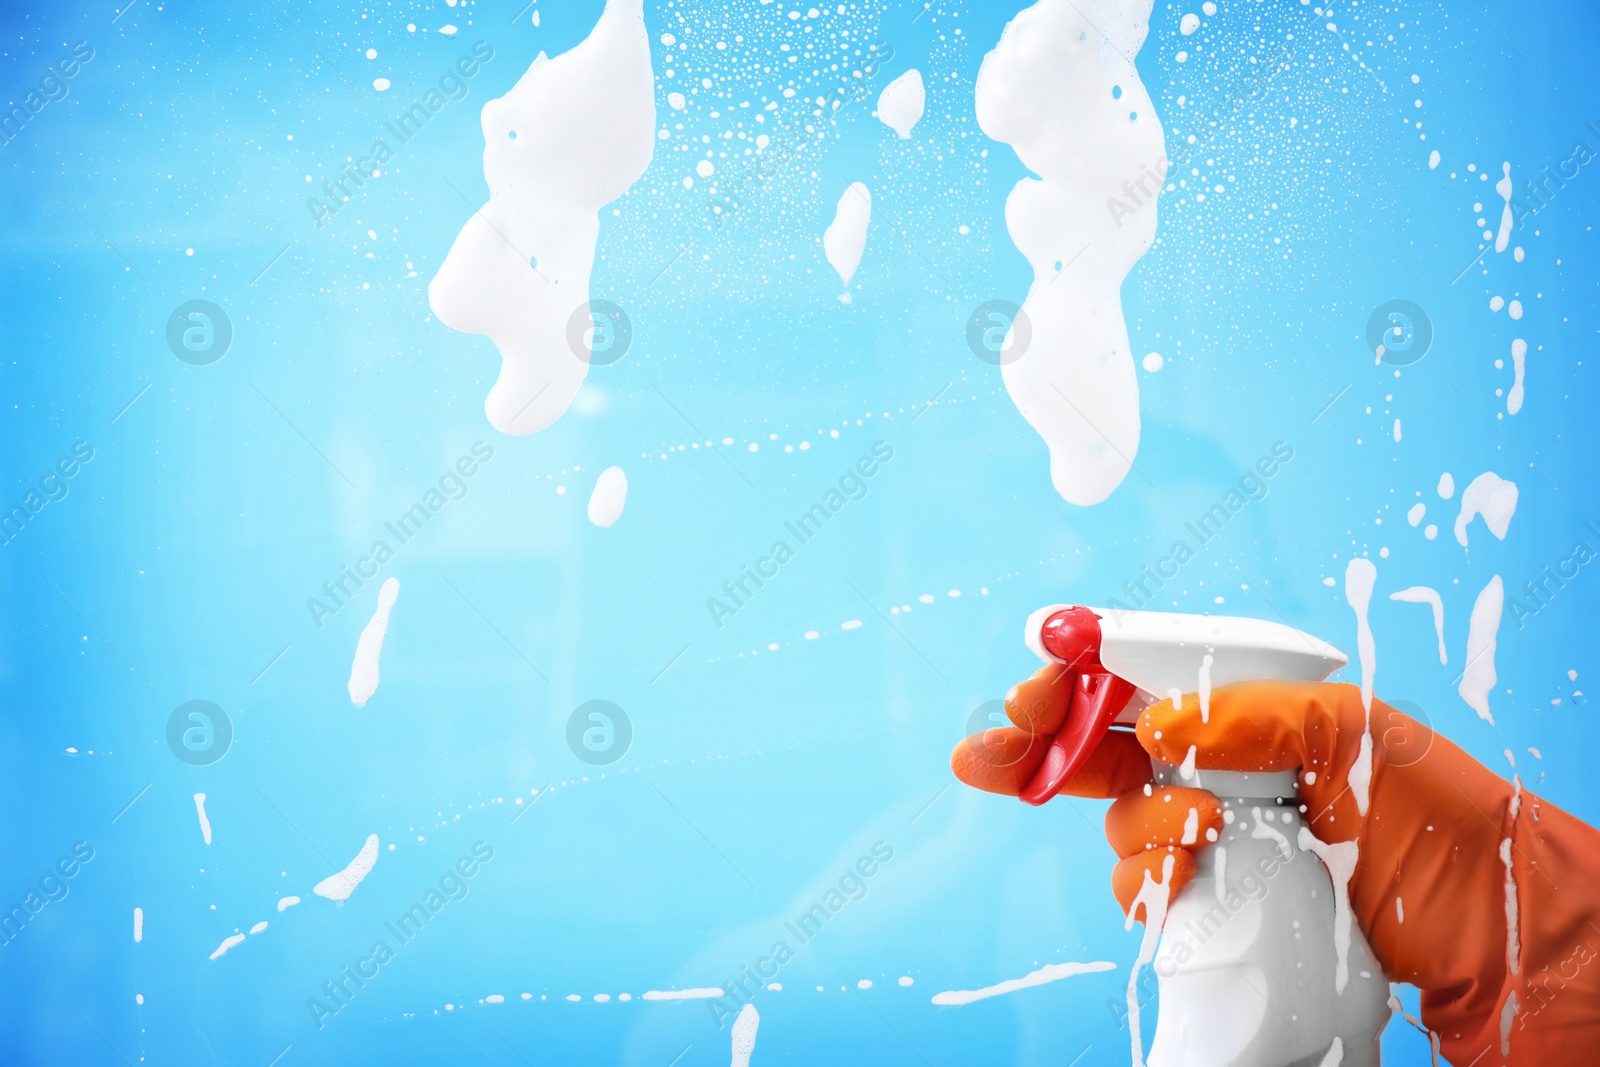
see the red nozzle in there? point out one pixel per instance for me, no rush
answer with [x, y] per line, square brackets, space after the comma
[1072, 635]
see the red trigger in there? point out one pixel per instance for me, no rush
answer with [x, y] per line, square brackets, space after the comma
[1072, 635]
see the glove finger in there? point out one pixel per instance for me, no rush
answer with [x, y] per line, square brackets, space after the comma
[1128, 876]
[1175, 815]
[1274, 726]
[1118, 765]
[1004, 759]
[1040, 703]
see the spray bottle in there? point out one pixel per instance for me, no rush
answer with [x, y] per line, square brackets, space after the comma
[1260, 963]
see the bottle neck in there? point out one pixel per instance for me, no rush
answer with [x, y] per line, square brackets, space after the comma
[1265, 786]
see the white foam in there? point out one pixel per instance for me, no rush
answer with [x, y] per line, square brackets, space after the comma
[1415, 515]
[1155, 898]
[1053, 972]
[285, 903]
[1491, 496]
[1043, 91]
[1206, 663]
[1340, 858]
[1188, 24]
[1359, 578]
[1433, 159]
[846, 236]
[1513, 946]
[1519, 359]
[585, 132]
[744, 1035]
[1479, 676]
[369, 647]
[227, 943]
[1503, 187]
[1421, 594]
[609, 495]
[901, 102]
[704, 993]
[138, 924]
[205, 821]
[1335, 1054]
[258, 927]
[1447, 486]
[340, 886]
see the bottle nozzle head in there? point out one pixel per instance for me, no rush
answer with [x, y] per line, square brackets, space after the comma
[1072, 636]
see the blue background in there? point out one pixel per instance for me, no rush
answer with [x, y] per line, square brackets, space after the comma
[179, 564]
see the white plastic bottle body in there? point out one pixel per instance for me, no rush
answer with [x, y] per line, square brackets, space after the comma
[1248, 968]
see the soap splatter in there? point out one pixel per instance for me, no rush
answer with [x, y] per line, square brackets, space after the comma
[846, 237]
[1479, 676]
[1359, 578]
[1090, 214]
[339, 886]
[1053, 972]
[1491, 496]
[258, 927]
[1503, 187]
[703, 993]
[287, 902]
[138, 925]
[1421, 594]
[1340, 858]
[1155, 898]
[205, 821]
[609, 495]
[1447, 486]
[901, 102]
[519, 270]
[369, 647]
[1335, 1054]
[744, 1035]
[1206, 663]
[1519, 359]
[227, 943]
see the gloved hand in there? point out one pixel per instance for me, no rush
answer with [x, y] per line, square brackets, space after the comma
[1449, 851]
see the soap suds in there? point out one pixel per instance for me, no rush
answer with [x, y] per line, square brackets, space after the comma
[1421, 594]
[227, 943]
[901, 102]
[369, 647]
[205, 822]
[1155, 898]
[1359, 578]
[1053, 972]
[1519, 360]
[1340, 859]
[258, 927]
[287, 902]
[1503, 187]
[609, 495]
[744, 1035]
[138, 924]
[1447, 486]
[846, 237]
[340, 886]
[1479, 676]
[1491, 496]
[571, 136]
[1090, 214]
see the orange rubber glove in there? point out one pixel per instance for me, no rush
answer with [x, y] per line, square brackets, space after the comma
[1441, 834]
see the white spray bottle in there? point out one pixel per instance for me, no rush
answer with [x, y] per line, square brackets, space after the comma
[1260, 963]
